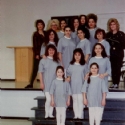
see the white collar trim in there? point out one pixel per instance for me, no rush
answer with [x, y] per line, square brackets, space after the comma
[83, 40]
[67, 37]
[59, 78]
[95, 76]
[77, 63]
[49, 57]
[61, 31]
[98, 57]
[52, 42]
[102, 41]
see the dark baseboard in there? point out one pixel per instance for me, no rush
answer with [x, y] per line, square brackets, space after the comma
[7, 79]
[9, 117]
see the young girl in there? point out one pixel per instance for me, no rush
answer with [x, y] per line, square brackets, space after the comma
[47, 68]
[94, 94]
[65, 48]
[84, 43]
[51, 38]
[100, 36]
[100, 57]
[60, 95]
[76, 72]
[62, 26]
[92, 21]
[75, 25]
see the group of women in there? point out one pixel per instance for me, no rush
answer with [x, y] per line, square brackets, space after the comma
[76, 60]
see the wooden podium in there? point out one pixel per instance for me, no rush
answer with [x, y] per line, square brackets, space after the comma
[23, 63]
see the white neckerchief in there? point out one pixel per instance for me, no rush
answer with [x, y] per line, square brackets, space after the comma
[76, 63]
[49, 57]
[95, 76]
[67, 37]
[92, 29]
[98, 57]
[59, 78]
[83, 40]
[52, 42]
[101, 41]
[61, 31]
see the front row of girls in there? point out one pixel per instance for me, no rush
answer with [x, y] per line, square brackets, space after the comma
[57, 89]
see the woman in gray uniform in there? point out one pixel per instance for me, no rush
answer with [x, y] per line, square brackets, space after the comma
[51, 38]
[47, 69]
[60, 95]
[84, 43]
[100, 57]
[94, 94]
[62, 26]
[75, 25]
[65, 48]
[92, 21]
[100, 36]
[76, 72]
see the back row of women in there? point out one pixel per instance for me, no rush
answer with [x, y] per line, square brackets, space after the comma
[84, 54]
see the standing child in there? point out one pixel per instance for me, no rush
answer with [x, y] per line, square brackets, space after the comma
[84, 43]
[51, 38]
[76, 72]
[47, 68]
[100, 36]
[65, 48]
[94, 94]
[60, 95]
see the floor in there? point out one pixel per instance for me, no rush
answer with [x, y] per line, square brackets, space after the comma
[14, 122]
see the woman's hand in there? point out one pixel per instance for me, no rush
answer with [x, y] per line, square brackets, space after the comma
[85, 102]
[102, 76]
[86, 76]
[52, 103]
[43, 56]
[67, 79]
[103, 102]
[68, 102]
[42, 86]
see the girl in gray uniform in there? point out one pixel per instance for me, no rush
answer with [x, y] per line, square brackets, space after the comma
[65, 48]
[75, 25]
[92, 21]
[84, 43]
[94, 94]
[100, 57]
[100, 36]
[51, 38]
[76, 72]
[60, 95]
[62, 26]
[47, 68]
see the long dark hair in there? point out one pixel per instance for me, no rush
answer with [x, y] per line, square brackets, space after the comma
[72, 23]
[103, 50]
[88, 81]
[82, 60]
[60, 67]
[85, 31]
[85, 19]
[47, 37]
[55, 56]
[39, 21]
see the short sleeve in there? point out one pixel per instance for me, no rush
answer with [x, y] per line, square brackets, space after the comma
[87, 48]
[84, 87]
[59, 47]
[42, 51]
[52, 88]
[41, 66]
[69, 71]
[103, 86]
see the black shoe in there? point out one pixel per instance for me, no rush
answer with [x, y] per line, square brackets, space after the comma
[112, 86]
[29, 86]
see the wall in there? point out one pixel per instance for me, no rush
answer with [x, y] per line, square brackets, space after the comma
[17, 21]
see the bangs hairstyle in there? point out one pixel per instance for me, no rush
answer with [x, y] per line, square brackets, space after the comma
[56, 21]
[82, 60]
[47, 37]
[103, 50]
[72, 23]
[61, 21]
[85, 19]
[85, 31]
[88, 81]
[60, 67]
[112, 20]
[55, 56]
[100, 31]
[39, 21]
[67, 27]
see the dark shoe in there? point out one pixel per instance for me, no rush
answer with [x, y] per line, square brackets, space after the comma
[29, 86]
[112, 86]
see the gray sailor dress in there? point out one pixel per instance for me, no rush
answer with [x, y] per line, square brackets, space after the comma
[60, 34]
[60, 90]
[48, 68]
[75, 37]
[94, 91]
